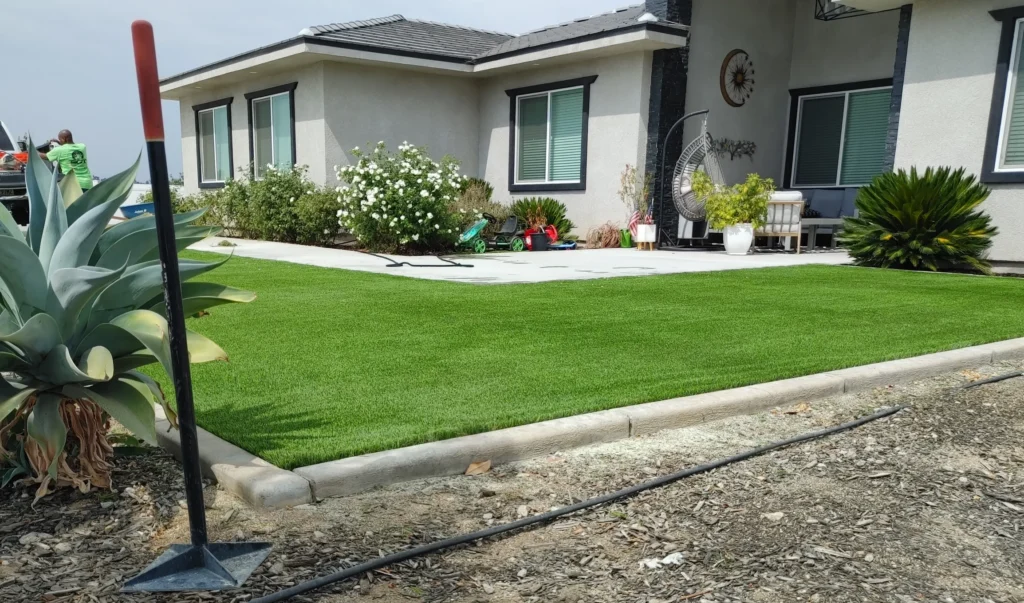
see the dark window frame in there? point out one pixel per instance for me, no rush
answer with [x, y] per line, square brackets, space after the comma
[794, 113]
[259, 94]
[196, 110]
[513, 135]
[1008, 17]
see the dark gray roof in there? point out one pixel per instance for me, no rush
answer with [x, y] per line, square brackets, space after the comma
[620, 19]
[408, 35]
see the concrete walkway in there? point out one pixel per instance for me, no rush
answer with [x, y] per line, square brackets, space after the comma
[525, 267]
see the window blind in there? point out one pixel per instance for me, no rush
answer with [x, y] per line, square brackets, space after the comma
[207, 147]
[533, 134]
[222, 141]
[262, 135]
[821, 132]
[867, 127]
[281, 111]
[566, 135]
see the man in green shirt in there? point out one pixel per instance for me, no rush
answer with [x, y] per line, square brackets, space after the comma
[71, 157]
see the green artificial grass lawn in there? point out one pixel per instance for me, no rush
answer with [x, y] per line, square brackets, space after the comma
[332, 363]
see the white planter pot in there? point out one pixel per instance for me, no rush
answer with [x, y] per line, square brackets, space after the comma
[738, 239]
[646, 233]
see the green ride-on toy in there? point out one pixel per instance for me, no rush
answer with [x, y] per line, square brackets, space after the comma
[472, 239]
[511, 236]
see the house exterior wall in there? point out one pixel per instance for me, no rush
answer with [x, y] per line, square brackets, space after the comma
[947, 98]
[364, 105]
[790, 49]
[309, 122]
[619, 101]
[765, 31]
[844, 51]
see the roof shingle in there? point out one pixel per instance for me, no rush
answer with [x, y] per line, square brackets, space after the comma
[408, 35]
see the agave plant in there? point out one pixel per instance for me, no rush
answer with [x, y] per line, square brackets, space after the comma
[921, 221]
[81, 308]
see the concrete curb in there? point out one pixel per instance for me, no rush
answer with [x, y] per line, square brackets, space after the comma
[451, 457]
[248, 477]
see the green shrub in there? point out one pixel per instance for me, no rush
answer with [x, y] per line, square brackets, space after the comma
[283, 206]
[485, 187]
[401, 200]
[921, 221]
[554, 212]
[474, 203]
[745, 203]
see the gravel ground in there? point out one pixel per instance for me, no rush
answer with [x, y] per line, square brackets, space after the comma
[925, 506]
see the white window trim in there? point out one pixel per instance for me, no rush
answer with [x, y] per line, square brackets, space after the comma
[273, 131]
[1011, 85]
[842, 138]
[216, 159]
[547, 141]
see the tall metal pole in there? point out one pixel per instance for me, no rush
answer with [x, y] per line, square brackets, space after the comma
[199, 566]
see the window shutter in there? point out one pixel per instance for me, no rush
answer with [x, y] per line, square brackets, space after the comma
[566, 135]
[282, 115]
[533, 134]
[222, 140]
[867, 127]
[821, 132]
[207, 148]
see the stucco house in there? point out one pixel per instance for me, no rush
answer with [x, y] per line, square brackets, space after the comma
[829, 94]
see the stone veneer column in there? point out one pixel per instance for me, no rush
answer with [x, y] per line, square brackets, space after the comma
[898, 76]
[668, 104]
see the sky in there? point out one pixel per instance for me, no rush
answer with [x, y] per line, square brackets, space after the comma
[68, 64]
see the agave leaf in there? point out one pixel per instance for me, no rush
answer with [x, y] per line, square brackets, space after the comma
[8, 324]
[138, 285]
[37, 181]
[76, 246]
[125, 399]
[70, 190]
[202, 349]
[132, 362]
[8, 227]
[22, 279]
[60, 369]
[158, 394]
[203, 296]
[12, 397]
[38, 336]
[46, 427]
[184, 238]
[71, 290]
[128, 227]
[55, 225]
[121, 343]
[115, 187]
[151, 331]
[129, 249]
[11, 361]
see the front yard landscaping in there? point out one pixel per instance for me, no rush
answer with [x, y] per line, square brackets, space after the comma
[332, 363]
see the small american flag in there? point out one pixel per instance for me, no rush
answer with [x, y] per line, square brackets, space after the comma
[633, 221]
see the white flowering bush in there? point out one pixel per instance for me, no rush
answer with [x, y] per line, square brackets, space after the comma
[400, 201]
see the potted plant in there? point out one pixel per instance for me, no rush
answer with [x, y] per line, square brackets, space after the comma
[736, 210]
[635, 192]
[538, 235]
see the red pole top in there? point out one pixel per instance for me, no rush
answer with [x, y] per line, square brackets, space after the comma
[149, 81]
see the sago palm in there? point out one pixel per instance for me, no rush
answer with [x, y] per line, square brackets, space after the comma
[920, 221]
[81, 308]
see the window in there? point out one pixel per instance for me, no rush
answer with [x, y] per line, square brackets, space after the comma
[840, 136]
[272, 128]
[213, 143]
[1004, 149]
[548, 140]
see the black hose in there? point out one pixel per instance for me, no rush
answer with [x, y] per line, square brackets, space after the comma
[433, 547]
[1013, 375]
[396, 264]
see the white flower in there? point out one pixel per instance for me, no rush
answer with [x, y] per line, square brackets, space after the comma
[402, 218]
[415, 237]
[429, 215]
[437, 227]
[418, 214]
[327, 231]
[341, 213]
[424, 194]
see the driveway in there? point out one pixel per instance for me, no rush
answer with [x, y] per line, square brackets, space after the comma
[525, 267]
